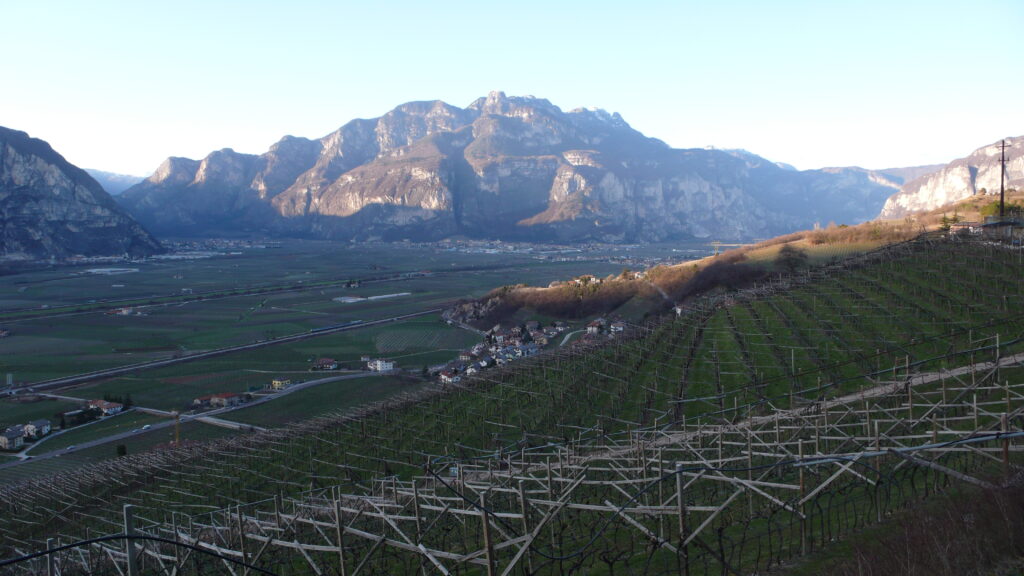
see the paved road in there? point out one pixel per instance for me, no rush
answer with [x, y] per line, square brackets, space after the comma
[210, 416]
[569, 335]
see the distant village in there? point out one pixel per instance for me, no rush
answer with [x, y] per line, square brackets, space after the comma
[502, 345]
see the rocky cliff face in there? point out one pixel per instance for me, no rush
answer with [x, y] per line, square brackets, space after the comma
[51, 209]
[975, 174]
[503, 167]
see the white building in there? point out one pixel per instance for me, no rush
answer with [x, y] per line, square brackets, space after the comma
[380, 365]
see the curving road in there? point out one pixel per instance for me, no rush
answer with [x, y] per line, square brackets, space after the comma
[209, 417]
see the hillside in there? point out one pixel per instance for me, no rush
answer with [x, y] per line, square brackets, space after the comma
[516, 168]
[783, 418]
[662, 287]
[52, 209]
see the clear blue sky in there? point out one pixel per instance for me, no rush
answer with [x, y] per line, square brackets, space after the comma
[120, 86]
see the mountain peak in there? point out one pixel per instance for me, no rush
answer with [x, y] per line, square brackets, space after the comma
[612, 119]
[497, 103]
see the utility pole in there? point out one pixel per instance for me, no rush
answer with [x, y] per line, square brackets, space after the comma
[1002, 179]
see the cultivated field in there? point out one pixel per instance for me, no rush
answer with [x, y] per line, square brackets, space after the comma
[752, 430]
[25, 408]
[232, 300]
[325, 398]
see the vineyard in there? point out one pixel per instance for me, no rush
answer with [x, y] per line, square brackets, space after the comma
[751, 430]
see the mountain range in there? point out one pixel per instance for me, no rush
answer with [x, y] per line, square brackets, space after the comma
[52, 209]
[516, 168]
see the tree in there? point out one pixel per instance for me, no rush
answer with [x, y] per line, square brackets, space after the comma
[122, 450]
[790, 258]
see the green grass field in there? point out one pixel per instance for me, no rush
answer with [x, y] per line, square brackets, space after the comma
[141, 442]
[322, 399]
[49, 346]
[115, 424]
[412, 343]
[23, 409]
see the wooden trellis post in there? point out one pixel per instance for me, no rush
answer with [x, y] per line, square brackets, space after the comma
[129, 543]
[681, 509]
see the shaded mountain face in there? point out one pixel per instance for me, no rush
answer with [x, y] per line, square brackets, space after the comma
[52, 209]
[503, 167]
[976, 174]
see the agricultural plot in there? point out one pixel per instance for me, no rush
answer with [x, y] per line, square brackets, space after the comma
[174, 389]
[124, 422]
[412, 343]
[293, 262]
[138, 444]
[46, 347]
[25, 408]
[753, 429]
[418, 336]
[323, 399]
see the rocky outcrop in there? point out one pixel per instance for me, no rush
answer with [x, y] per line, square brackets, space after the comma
[976, 174]
[503, 167]
[52, 209]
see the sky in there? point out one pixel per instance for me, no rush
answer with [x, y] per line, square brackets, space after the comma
[120, 86]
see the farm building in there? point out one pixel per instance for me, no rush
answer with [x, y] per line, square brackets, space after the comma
[12, 439]
[37, 428]
[449, 377]
[380, 365]
[105, 407]
[280, 384]
[225, 399]
[325, 364]
[1007, 229]
[219, 400]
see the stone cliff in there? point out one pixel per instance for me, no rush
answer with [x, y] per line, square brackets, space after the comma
[977, 173]
[52, 209]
